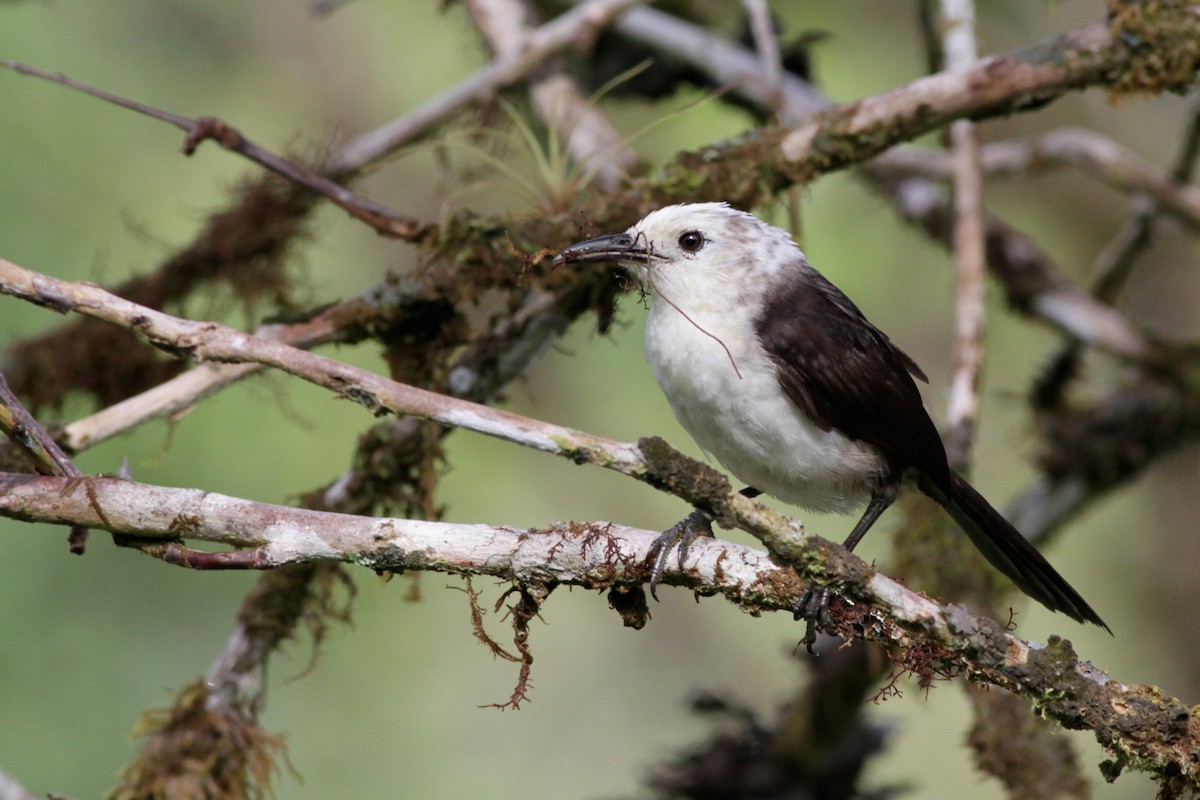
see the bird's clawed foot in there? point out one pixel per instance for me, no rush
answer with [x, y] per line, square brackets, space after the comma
[813, 606]
[682, 533]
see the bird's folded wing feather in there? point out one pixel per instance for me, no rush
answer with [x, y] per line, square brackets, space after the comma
[845, 373]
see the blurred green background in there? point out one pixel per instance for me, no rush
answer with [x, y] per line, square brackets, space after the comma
[392, 709]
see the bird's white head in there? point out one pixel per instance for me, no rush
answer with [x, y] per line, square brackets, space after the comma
[693, 251]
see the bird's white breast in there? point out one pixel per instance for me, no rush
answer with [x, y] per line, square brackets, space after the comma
[723, 389]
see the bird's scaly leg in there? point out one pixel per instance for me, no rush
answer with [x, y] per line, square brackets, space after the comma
[813, 605]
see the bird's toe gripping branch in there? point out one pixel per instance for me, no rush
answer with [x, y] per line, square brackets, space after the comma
[813, 607]
[681, 534]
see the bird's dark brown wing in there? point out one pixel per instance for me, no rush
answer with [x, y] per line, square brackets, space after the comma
[846, 374]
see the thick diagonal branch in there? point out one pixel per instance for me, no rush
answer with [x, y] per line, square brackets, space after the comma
[1138, 722]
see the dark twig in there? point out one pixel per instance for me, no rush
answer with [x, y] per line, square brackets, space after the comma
[35, 441]
[929, 23]
[23, 429]
[180, 556]
[383, 219]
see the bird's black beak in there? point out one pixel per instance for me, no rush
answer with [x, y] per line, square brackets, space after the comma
[614, 247]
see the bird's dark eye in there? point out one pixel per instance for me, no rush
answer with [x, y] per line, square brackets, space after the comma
[691, 241]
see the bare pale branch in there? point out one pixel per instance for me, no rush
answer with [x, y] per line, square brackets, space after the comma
[603, 555]
[1093, 153]
[970, 257]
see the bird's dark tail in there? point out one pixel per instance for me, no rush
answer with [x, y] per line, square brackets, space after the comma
[1008, 551]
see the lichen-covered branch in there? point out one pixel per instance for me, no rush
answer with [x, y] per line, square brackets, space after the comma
[650, 461]
[1019, 80]
[1032, 281]
[210, 341]
[1141, 46]
[747, 172]
[1138, 723]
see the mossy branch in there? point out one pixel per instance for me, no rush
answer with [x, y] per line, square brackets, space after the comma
[1145, 728]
